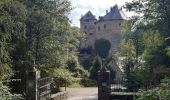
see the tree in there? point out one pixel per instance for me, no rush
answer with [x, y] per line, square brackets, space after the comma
[6, 95]
[11, 25]
[153, 26]
[102, 47]
[61, 77]
[97, 64]
[74, 66]
[12, 28]
[158, 93]
[34, 31]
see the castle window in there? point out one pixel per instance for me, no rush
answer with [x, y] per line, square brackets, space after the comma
[85, 27]
[104, 26]
[99, 28]
[91, 33]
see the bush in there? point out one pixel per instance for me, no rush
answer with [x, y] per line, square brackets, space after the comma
[75, 67]
[6, 95]
[86, 82]
[96, 67]
[61, 77]
[161, 92]
[102, 47]
[75, 85]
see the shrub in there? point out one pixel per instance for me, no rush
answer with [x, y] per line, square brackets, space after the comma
[61, 77]
[161, 92]
[102, 47]
[86, 82]
[6, 95]
[75, 85]
[96, 67]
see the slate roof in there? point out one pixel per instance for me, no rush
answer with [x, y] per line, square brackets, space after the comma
[88, 16]
[114, 14]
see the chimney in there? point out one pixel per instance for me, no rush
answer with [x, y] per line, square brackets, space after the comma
[111, 8]
[106, 11]
[121, 8]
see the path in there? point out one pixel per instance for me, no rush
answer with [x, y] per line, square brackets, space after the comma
[82, 93]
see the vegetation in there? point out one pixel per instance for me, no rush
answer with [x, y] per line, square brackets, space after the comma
[36, 33]
[102, 48]
[145, 47]
[160, 92]
[97, 64]
[6, 95]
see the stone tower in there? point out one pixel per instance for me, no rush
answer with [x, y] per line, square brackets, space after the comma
[107, 27]
[87, 25]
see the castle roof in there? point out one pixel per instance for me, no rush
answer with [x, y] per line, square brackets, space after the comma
[88, 16]
[114, 14]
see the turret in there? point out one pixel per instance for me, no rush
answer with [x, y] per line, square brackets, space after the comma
[87, 25]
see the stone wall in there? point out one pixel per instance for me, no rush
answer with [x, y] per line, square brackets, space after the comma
[109, 30]
[88, 27]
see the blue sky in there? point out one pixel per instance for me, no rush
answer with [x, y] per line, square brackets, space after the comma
[97, 7]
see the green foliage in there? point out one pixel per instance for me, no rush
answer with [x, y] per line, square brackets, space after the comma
[12, 19]
[6, 95]
[74, 66]
[73, 63]
[86, 82]
[75, 85]
[145, 42]
[102, 47]
[61, 77]
[88, 63]
[96, 67]
[35, 31]
[132, 48]
[161, 92]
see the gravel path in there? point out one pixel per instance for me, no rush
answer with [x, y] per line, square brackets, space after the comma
[82, 93]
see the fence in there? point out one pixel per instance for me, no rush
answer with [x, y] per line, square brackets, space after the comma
[120, 91]
[44, 88]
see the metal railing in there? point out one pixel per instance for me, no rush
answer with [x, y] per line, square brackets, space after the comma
[44, 88]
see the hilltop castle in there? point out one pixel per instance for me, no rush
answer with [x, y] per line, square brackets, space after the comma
[107, 27]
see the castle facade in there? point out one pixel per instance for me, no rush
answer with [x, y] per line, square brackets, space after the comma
[107, 27]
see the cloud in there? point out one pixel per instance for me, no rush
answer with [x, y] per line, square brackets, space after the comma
[97, 7]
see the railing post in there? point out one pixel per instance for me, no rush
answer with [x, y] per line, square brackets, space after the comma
[31, 84]
[104, 86]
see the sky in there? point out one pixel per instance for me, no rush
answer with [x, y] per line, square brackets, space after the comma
[97, 7]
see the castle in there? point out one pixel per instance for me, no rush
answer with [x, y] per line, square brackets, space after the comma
[107, 27]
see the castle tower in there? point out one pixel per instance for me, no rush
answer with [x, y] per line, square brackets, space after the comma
[109, 27]
[87, 25]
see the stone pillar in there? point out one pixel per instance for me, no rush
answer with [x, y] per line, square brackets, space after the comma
[31, 84]
[104, 86]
